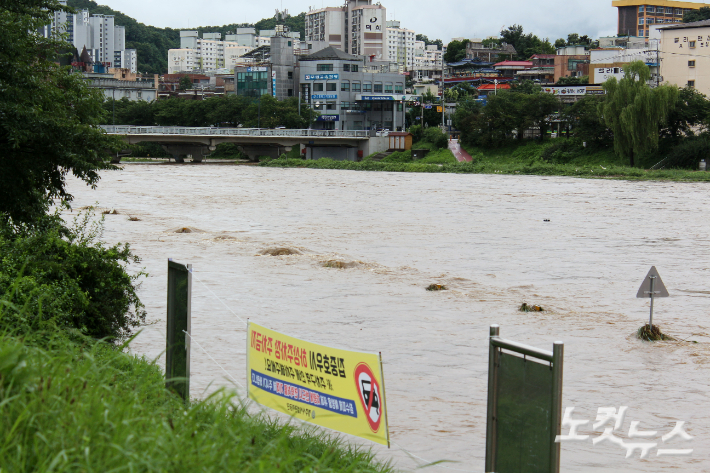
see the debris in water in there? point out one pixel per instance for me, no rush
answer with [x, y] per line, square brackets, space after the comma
[530, 308]
[280, 252]
[133, 219]
[546, 220]
[184, 230]
[110, 212]
[333, 263]
[651, 333]
[436, 287]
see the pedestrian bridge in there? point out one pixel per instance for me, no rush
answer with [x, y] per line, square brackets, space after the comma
[200, 141]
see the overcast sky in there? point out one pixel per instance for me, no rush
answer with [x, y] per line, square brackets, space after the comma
[444, 19]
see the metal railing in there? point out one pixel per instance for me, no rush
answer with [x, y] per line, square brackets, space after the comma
[210, 131]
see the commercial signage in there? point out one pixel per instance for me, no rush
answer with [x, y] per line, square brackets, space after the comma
[324, 96]
[328, 118]
[338, 389]
[257, 69]
[322, 76]
[377, 97]
[273, 84]
[574, 90]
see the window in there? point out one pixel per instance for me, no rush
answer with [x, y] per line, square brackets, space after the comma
[651, 9]
[691, 84]
[331, 87]
[353, 68]
[650, 20]
[290, 92]
[289, 44]
[678, 11]
[367, 87]
[378, 87]
[640, 32]
[290, 74]
[389, 88]
[388, 106]
[346, 67]
[377, 107]
[318, 87]
[399, 88]
[691, 44]
[641, 9]
[345, 86]
[330, 106]
[640, 21]
[669, 11]
[691, 63]
[399, 106]
[324, 67]
[356, 87]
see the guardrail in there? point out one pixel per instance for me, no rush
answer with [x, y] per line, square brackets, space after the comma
[210, 131]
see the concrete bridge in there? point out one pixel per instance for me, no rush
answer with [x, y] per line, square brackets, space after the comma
[254, 142]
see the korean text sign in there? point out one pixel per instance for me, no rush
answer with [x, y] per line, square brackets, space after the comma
[338, 389]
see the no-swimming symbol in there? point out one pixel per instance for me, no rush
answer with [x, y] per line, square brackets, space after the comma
[369, 390]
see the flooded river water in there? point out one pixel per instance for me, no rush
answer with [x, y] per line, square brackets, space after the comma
[483, 236]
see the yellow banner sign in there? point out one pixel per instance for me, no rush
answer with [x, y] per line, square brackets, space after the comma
[338, 389]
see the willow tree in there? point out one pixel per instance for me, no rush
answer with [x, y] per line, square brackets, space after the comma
[634, 111]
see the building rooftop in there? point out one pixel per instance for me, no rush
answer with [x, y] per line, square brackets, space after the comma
[662, 3]
[693, 24]
[331, 54]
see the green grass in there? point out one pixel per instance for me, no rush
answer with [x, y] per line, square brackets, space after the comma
[88, 407]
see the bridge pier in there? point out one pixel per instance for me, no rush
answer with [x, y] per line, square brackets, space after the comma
[178, 152]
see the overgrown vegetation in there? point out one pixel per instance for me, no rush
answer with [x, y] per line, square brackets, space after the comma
[230, 110]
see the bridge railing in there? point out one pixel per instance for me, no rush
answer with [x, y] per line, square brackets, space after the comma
[210, 131]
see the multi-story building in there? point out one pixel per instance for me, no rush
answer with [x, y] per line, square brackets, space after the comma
[637, 16]
[427, 62]
[571, 61]
[400, 45]
[685, 61]
[358, 28]
[610, 62]
[105, 42]
[489, 51]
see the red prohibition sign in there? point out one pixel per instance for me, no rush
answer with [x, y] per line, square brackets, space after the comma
[370, 398]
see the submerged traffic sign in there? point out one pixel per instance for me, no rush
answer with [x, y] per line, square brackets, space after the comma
[659, 289]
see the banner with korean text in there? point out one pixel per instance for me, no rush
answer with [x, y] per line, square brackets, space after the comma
[338, 389]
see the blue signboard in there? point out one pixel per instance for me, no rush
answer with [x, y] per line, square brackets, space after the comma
[377, 97]
[322, 76]
[328, 118]
[257, 69]
[427, 107]
[324, 96]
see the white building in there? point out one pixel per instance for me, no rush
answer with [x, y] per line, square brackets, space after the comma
[427, 61]
[358, 28]
[103, 39]
[400, 45]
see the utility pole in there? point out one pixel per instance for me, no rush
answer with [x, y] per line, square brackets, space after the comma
[443, 93]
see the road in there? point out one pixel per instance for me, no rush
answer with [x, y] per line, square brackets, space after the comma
[459, 153]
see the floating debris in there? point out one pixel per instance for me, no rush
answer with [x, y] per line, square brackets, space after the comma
[338, 264]
[546, 220]
[110, 212]
[280, 252]
[436, 287]
[133, 219]
[185, 230]
[651, 333]
[530, 308]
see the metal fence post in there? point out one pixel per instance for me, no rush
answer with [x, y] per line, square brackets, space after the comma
[177, 353]
[558, 350]
[493, 352]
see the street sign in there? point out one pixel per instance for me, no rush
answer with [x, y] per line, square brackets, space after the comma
[652, 286]
[427, 107]
[659, 289]
[438, 108]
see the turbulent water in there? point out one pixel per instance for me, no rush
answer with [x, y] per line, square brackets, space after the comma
[484, 237]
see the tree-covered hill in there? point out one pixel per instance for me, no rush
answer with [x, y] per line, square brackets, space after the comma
[152, 43]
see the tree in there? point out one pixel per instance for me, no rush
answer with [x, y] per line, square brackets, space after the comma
[584, 119]
[455, 51]
[526, 45]
[565, 80]
[690, 111]
[560, 43]
[427, 41]
[185, 83]
[703, 13]
[48, 117]
[634, 111]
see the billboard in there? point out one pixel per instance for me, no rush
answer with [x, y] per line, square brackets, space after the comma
[339, 389]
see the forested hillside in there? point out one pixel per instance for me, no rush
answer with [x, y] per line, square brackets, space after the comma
[152, 43]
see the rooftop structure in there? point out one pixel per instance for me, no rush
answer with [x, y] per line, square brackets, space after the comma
[637, 16]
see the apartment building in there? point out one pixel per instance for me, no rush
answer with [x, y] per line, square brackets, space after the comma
[105, 42]
[358, 28]
[427, 62]
[400, 45]
[635, 17]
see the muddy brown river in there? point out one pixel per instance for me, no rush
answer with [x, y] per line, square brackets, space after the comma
[482, 236]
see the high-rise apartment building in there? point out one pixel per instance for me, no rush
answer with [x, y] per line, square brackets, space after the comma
[637, 16]
[400, 45]
[358, 27]
[104, 41]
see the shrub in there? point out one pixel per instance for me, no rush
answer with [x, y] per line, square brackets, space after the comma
[417, 133]
[66, 276]
[436, 137]
[688, 154]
